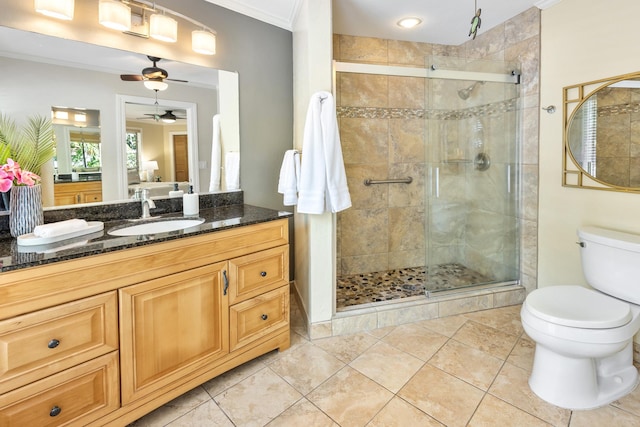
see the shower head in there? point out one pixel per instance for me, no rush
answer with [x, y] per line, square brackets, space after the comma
[466, 92]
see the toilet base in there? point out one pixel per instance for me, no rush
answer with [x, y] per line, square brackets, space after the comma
[582, 383]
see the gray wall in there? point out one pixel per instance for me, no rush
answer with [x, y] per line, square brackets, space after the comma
[259, 52]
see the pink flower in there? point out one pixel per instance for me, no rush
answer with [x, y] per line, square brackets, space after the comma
[11, 174]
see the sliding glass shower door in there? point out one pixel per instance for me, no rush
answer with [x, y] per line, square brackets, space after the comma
[472, 163]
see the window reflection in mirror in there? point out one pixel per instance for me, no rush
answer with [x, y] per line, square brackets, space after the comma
[603, 134]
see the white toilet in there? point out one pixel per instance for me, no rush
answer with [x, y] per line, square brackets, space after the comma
[584, 337]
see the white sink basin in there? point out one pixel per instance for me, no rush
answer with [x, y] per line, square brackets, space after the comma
[159, 226]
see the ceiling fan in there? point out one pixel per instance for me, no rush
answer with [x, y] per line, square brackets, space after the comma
[167, 117]
[151, 75]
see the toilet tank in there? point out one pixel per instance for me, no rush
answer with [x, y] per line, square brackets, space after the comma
[611, 262]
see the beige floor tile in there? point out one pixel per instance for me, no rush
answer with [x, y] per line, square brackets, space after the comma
[467, 363]
[346, 347]
[258, 399]
[381, 332]
[505, 319]
[607, 416]
[630, 403]
[387, 366]
[306, 367]
[232, 377]
[487, 339]
[206, 415]
[511, 385]
[522, 353]
[495, 412]
[399, 413]
[416, 340]
[174, 409]
[442, 396]
[350, 398]
[446, 326]
[303, 413]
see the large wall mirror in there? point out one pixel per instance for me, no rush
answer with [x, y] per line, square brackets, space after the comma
[144, 137]
[602, 134]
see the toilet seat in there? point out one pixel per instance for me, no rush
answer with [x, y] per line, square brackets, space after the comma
[578, 307]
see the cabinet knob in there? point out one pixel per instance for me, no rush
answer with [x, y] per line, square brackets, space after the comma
[53, 343]
[55, 411]
[264, 317]
[263, 273]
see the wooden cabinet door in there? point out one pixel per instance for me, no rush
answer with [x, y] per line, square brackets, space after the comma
[170, 327]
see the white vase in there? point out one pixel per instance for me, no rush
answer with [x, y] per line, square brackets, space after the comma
[25, 209]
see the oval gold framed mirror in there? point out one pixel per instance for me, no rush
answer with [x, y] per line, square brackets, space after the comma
[602, 134]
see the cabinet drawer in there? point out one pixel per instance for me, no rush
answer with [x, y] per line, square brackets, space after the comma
[259, 316]
[35, 345]
[76, 396]
[257, 273]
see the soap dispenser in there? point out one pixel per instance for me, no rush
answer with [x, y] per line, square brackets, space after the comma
[176, 192]
[190, 203]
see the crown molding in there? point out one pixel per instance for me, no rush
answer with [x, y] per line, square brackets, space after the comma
[545, 4]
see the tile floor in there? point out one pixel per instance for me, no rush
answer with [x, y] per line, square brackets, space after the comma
[463, 370]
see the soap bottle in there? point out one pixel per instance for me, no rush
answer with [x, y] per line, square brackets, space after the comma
[190, 203]
[176, 192]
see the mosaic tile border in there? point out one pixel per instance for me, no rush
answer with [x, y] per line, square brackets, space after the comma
[417, 113]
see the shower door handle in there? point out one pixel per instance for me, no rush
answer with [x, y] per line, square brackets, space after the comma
[437, 183]
[508, 178]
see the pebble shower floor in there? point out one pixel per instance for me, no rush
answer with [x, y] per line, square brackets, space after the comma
[364, 288]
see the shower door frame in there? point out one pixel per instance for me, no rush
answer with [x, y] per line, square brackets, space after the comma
[431, 72]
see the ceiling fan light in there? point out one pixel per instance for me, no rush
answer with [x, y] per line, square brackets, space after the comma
[203, 42]
[168, 120]
[61, 9]
[155, 84]
[115, 15]
[163, 28]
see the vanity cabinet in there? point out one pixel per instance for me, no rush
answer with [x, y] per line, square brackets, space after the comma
[71, 193]
[138, 327]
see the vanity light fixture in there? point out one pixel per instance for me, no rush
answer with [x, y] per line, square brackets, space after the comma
[61, 9]
[115, 15]
[409, 22]
[155, 84]
[204, 42]
[163, 28]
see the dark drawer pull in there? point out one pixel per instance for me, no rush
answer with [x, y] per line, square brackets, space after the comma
[264, 317]
[53, 343]
[55, 411]
[263, 273]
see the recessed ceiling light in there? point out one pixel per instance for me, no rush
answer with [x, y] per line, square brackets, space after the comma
[409, 22]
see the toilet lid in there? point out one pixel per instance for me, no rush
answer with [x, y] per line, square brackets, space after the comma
[579, 307]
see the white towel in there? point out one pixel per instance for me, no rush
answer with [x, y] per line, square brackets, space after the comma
[323, 181]
[289, 176]
[59, 228]
[232, 170]
[216, 148]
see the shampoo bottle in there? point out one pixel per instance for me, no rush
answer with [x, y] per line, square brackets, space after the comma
[176, 192]
[190, 203]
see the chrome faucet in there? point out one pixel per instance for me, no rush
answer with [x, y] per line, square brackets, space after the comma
[147, 203]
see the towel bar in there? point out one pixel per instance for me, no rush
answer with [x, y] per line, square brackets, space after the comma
[407, 180]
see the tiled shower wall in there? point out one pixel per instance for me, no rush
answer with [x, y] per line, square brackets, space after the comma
[394, 236]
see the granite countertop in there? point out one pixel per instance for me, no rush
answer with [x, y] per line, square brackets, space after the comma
[14, 256]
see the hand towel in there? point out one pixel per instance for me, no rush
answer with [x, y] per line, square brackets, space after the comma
[232, 170]
[59, 228]
[216, 148]
[323, 181]
[289, 176]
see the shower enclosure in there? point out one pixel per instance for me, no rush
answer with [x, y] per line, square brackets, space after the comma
[433, 173]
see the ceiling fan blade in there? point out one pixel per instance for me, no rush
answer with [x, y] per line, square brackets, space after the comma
[131, 77]
[177, 80]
